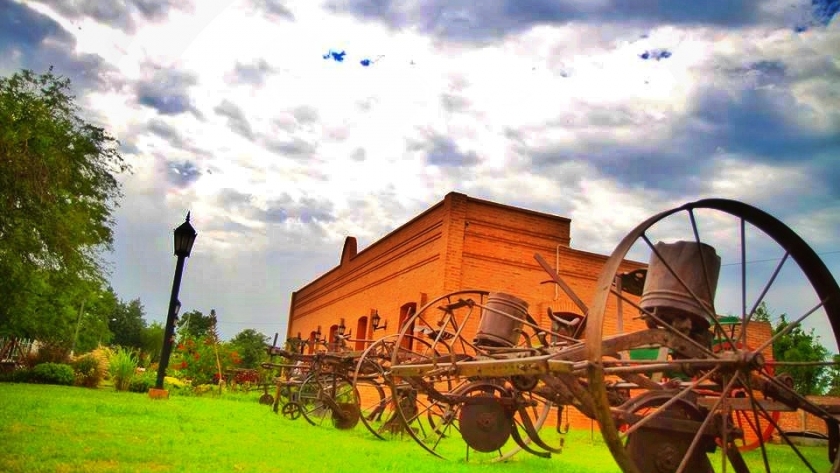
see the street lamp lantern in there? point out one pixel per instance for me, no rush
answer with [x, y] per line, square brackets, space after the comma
[341, 327]
[184, 238]
[374, 322]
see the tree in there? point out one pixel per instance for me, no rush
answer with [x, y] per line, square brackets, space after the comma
[127, 323]
[799, 345]
[195, 324]
[58, 191]
[251, 347]
[795, 346]
[152, 341]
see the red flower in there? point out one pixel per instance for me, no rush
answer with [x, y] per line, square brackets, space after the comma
[183, 365]
[196, 357]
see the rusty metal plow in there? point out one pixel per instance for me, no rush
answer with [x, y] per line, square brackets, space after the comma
[677, 387]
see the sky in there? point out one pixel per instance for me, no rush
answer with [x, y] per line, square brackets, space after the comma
[285, 126]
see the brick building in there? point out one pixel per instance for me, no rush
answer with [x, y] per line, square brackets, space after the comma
[459, 243]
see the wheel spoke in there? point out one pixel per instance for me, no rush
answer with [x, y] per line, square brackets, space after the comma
[696, 440]
[761, 296]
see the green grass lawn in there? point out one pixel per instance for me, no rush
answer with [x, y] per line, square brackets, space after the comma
[69, 429]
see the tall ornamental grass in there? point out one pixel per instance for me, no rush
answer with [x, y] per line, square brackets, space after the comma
[122, 366]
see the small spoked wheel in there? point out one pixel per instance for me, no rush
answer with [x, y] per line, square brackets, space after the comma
[331, 396]
[708, 261]
[291, 410]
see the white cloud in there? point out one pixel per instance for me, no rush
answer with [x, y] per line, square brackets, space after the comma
[565, 118]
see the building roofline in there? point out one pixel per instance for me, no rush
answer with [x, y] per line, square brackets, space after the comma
[426, 212]
[517, 209]
[378, 241]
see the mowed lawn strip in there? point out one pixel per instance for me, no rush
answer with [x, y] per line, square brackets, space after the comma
[47, 428]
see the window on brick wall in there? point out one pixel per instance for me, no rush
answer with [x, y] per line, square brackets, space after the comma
[332, 343]
[311, 345]
[406, 311]
[361, 333]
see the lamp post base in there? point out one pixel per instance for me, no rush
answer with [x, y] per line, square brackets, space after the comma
[155, 393]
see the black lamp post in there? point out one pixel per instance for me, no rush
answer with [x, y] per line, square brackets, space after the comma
[184, 238]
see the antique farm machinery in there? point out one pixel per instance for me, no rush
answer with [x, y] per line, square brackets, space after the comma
[705, 393]
[334, 383]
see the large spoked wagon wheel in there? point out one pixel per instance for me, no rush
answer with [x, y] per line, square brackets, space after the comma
[371, 379]
[330, 396]
[451, 414]
[706, 259]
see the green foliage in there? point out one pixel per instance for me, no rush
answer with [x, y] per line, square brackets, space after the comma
[797, 345]
[58, 191]
[21, 375]
[122, 365]
[89, 371]
[53, 373]
[834, 377]
[142, 383]
[127, 324]
[251, 346]
[195, 359]
[195, 324]
[151, 339]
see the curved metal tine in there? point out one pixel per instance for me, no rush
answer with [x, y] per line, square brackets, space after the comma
[667, 403]
[650, 314]
[696, 440]
[712, 316]
[715, 322]
[760, 299]
[534, 435]
[523, 444]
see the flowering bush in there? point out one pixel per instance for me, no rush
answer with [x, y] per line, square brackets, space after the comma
[195, 359]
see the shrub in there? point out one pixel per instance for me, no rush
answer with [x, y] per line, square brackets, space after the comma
[21, 375]
[89, 371]
[142, 383]
[48, 353]
[53, 373]
[122, 365]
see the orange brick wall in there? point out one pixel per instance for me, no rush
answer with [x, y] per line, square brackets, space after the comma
[801, 420]
[391, 272]
[460, 243]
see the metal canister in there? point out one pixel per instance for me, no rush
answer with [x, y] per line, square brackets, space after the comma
[695, 264]
[501, 320]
